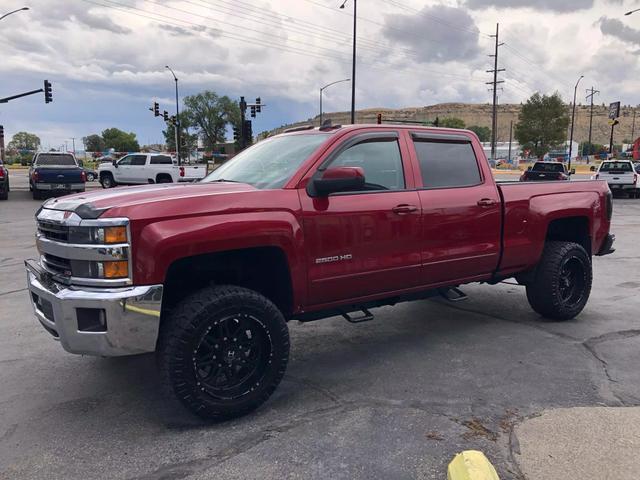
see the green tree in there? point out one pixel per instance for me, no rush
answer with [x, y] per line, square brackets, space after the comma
[188, 139]
[484, 133]
[120, 141]
[451, 122]
[210, 114]
[542, 123]
[94, 143]
[24, 141]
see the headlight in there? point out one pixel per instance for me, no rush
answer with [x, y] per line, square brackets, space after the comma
[98, 235]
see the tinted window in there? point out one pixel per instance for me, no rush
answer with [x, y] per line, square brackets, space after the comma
[380, 160]
[617, 166]
[138, 160]
[447, 164]
[548, 167]
[161, 160]
[50, 159]
[126, 160]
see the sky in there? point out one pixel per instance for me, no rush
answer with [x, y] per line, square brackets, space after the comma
[106, 58]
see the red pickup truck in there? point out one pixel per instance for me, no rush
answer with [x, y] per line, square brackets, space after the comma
[305, 225]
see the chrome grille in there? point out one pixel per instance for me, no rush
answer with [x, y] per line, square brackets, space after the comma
[54, 231]
[58, 265]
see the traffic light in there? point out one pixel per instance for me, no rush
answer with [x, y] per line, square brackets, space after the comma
[258, 105]
[247, 133]
[48, 94]
[156, 109]
[172, 119]
[1, 133]
[165, 115]
[236, 133]
[253, 111]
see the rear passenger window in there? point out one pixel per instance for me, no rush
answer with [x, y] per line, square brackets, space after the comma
[447, 163]
[161, 160]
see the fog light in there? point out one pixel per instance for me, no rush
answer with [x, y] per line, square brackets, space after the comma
[91, 320]
[115, 269]
[115, 235]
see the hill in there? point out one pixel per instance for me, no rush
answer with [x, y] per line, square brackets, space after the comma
[480, 114]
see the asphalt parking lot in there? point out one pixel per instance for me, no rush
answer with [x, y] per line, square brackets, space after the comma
[394, 398]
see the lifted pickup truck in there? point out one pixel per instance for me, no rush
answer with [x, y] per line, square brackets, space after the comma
[142, 168]
[55, 172]
[304, 225]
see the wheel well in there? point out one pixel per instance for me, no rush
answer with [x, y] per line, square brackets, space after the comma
[163, 176]
[570, 229]
[106, 174]
[263, 269]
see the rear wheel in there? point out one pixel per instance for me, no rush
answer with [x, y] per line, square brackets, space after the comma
[4, 194]
[106, 180]
[562, 282]
[223, 351]
[163, 178]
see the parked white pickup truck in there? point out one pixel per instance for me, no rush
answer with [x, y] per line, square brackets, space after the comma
[142, 168]
[621, 176]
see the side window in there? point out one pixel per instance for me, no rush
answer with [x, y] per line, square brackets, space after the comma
[447, 163]
[125, 161]
[380, 160]
[161, 160]
[138, 160]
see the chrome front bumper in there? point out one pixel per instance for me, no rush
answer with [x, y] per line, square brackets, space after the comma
[96, 321]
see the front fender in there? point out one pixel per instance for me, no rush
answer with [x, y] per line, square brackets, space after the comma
[161, 243]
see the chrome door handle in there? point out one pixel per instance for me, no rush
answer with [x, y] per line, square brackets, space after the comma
[486, 202]
[404, 209]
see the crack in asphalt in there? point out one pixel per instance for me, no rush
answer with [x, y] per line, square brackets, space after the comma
[2, 294]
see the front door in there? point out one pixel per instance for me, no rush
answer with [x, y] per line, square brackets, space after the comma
[461, 214]
[122, 173]
[365, 242]
[139, 173]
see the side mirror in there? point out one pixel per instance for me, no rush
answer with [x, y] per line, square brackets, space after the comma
[115, 163]
[573, 171]
[529, 168]
[80, 163]
[338, 179]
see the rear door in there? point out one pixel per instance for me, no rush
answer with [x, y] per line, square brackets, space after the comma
[461, 212]
[366, 242]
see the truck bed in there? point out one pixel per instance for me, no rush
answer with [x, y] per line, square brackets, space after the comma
[529, 207]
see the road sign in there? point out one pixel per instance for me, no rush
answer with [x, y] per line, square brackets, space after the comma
[614, 110]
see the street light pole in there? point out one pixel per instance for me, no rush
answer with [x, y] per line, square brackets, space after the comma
[353, 61]
[322, 90]
[14, 11]
[177, 125]
[573, 119]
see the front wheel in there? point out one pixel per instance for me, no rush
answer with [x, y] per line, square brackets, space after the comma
[562, 281]
[90, 177]
[222, 351]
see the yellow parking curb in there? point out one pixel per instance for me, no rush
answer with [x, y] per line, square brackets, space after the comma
[471, 465]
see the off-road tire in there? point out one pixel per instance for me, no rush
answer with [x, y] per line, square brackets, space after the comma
[562, 281]
[185, 330]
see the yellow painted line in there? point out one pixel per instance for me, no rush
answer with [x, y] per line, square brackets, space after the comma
[146, 311]
[471, 465]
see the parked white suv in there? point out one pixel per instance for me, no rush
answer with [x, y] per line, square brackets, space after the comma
[620, 175]
[142, 168]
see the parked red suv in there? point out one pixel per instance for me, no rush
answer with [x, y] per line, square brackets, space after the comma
[305, 225]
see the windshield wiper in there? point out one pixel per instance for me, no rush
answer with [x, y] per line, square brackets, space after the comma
[225, 180]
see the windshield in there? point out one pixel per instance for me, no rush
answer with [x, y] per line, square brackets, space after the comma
[269, 163]
[548, 167]
[617, 166]
[58, 160]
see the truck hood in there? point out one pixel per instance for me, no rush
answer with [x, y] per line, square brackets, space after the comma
[94, 204]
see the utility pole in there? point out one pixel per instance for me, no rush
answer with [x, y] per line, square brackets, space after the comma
[510, 139]
[591, 92]
[633, 127]
[494, 119]
[73, 139]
